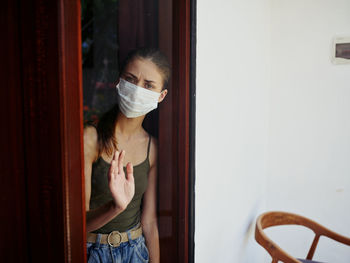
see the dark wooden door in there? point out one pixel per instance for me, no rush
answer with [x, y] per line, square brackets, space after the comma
[41, 165]
[41, 136]
[174, 139]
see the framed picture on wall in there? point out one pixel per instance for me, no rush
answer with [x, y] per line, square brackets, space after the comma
[341, 50]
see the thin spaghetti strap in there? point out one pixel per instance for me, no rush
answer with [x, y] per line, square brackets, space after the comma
[149, 145]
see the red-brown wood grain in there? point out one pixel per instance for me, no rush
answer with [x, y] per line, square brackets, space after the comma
[167, 138]
[182, 53]
[13, 214]
[174, 135]
[42, 130]
[41, 164]
[72, 129]
[41, 168]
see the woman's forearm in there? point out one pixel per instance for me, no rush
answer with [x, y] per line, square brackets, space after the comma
[150, 231]
[98, 217]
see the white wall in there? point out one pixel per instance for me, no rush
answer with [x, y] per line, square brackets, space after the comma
[273, 124]
[231, 133]
[309, 120]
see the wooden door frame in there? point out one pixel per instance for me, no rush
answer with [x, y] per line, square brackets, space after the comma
[183, 51]
[181, 79]
[43, 171]
[192, 127]
[176, 135]
[52, 92]
[50, 179]
[72, 129]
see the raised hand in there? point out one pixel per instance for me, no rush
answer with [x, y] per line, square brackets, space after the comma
[121, 187]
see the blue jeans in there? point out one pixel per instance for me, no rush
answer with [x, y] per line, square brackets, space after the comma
[133, 251]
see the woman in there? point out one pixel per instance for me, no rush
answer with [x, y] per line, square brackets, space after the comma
[121, 201]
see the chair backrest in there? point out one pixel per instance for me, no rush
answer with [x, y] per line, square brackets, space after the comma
[269, 219]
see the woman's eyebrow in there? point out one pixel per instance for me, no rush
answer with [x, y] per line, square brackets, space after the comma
[132, 75]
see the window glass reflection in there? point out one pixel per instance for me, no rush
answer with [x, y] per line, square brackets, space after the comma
[100, 56]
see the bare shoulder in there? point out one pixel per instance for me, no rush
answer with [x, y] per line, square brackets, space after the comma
[153, 152]
[90, 135]
[90, 142]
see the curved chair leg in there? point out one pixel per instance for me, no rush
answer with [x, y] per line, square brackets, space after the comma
[313, 247]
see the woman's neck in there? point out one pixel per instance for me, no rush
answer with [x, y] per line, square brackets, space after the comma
[128, 126]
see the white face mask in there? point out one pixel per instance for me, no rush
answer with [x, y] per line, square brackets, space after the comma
[135, 101]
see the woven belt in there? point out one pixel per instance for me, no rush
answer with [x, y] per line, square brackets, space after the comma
[115, 238]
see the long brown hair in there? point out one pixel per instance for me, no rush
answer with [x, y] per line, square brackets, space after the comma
[105, 128]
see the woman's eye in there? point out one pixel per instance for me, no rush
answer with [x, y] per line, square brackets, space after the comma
[129, 79]
[148, 86]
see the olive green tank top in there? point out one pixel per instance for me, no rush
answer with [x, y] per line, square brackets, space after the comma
[100, 194]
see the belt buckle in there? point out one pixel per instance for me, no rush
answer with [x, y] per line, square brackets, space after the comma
[113, 235]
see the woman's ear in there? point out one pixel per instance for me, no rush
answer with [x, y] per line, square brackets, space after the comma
[162, 95]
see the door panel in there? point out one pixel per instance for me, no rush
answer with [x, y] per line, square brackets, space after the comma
[42, 167]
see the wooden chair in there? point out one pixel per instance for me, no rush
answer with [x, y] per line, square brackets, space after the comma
[282, 218]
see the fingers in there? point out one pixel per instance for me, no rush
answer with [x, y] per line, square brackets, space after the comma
[129, 172]
[116, 156]
[117, 166]
[114, 168]
[120, 161]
